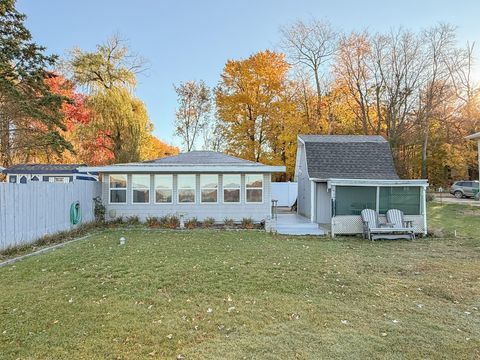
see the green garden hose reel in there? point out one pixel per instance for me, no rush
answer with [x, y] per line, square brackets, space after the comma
[75, 213]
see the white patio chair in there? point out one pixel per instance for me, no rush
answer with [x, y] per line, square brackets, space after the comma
[396, 219]
[373, 229]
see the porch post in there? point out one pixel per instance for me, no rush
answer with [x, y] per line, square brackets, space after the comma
[313, 198]
[332, 207]
[423, 201]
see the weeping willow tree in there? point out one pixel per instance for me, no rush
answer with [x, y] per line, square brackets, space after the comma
[119, 119]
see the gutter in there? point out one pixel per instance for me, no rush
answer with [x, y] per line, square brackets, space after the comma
[144, 168]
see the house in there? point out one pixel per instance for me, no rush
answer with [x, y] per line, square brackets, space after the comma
[198, 184]
[476, 137]
[57, 173]
[340, 175]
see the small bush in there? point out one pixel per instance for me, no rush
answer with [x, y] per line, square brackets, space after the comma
[228, 222]
[191, 223]
[247, 223]
[163, 221]
[208, 222]
[171, 222]
[153, 221]
[115, 222]
[132, 220]
[99, 209]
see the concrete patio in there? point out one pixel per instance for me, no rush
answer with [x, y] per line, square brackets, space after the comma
[290, 223]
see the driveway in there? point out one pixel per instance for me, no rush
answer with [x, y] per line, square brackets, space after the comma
[450, 199]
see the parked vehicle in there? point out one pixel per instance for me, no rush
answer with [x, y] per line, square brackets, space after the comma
[461, 189]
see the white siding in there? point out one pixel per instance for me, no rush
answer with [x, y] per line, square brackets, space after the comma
[30, 211]
[304, 190]
[323, 204]
[218, 211]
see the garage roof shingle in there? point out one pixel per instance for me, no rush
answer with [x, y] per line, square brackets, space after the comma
[348, 157]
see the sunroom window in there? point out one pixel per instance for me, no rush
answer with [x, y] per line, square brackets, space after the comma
[404, 198]
[254, 188]
[351, 200]
[163, 188]
[118, 188]
[209, 188]
[231, 188]
[140, 188]
[186, 188]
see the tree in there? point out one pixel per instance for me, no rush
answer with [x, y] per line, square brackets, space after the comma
[353, 73]
[439, 53]
[153, 148]
[120, 123]
[30, 114]
[248, 101]
[111, 65]
[192, 115]
[312, 45]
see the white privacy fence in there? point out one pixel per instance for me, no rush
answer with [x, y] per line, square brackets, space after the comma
[284, 192]
[30, 211]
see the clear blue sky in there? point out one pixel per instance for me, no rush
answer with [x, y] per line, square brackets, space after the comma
[193, 39]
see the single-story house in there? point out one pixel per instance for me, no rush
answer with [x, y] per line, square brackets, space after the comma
[198, 184]
[56, 173]
[340, 175]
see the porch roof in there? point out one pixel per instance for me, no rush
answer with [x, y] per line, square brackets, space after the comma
[373, 182]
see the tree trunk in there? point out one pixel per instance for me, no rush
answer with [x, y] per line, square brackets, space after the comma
[5, 151]
[319, 94]
[424, 153]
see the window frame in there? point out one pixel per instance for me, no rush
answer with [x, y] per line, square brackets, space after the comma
[254, 188]
[194, 190]
[132, 188]
[375, 192]
[230, 188]
[201, 189]
[110, 189]
[155, 189]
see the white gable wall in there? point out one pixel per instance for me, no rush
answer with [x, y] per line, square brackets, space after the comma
[304, 183]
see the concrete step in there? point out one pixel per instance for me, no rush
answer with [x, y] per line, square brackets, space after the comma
[300, 232]
[286, 230]
[299, 226]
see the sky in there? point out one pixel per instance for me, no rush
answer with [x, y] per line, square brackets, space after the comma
[192, 40]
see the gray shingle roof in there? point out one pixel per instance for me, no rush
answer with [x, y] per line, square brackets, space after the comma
[42, 168]
[349, 157]
[202, 158]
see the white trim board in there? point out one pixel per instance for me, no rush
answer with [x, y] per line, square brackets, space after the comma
[155, 168]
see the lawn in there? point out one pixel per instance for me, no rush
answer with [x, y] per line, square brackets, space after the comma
[207, 294]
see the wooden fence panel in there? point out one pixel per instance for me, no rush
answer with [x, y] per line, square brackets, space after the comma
[30, 211]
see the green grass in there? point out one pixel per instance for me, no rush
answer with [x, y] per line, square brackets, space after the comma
[271, 297]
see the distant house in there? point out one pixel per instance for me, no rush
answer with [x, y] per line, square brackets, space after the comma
[198, 184]
[57, 173]
[340, 175]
